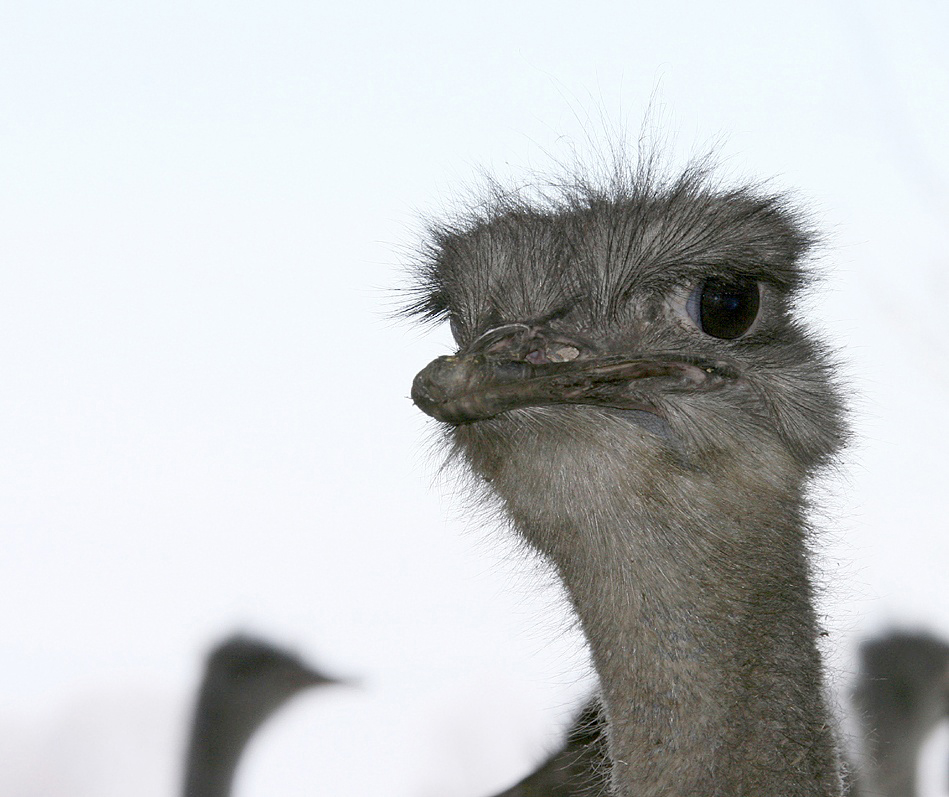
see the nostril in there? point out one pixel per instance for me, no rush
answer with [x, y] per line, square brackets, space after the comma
[537, 357]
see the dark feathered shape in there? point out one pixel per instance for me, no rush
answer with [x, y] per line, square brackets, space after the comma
[579, 769]
[634, 391]
[902, 694]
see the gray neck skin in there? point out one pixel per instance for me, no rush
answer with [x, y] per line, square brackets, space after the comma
[696, 603]
[705, 694]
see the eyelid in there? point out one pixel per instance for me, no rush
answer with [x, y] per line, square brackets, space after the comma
[693, 303]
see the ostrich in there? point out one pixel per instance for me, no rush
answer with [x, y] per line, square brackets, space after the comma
[633, 391]
[245, 682]
[901, 695]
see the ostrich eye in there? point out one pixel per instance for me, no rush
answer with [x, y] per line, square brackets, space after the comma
[725, 308]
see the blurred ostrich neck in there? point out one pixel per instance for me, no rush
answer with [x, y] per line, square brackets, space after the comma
[213, 758]
[694, 595]
[216, 746]
[218, 739]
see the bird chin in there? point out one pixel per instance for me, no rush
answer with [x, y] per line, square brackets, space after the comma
[512, 423]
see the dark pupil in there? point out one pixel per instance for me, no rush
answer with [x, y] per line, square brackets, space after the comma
[728, 309]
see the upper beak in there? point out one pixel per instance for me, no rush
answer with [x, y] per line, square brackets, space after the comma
[517, 366]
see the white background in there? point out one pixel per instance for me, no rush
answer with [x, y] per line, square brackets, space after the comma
[205, 213]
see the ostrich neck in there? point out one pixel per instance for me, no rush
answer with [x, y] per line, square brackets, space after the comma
[696, 603]
[711, 693]
[214, 752]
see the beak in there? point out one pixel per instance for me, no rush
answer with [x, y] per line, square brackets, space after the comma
[517, 366]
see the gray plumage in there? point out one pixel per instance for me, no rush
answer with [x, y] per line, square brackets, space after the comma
[609, 398]
[245, 682]
[901, 695]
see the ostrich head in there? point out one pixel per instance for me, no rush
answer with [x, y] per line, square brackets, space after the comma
[245, 682]
[667, 307]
